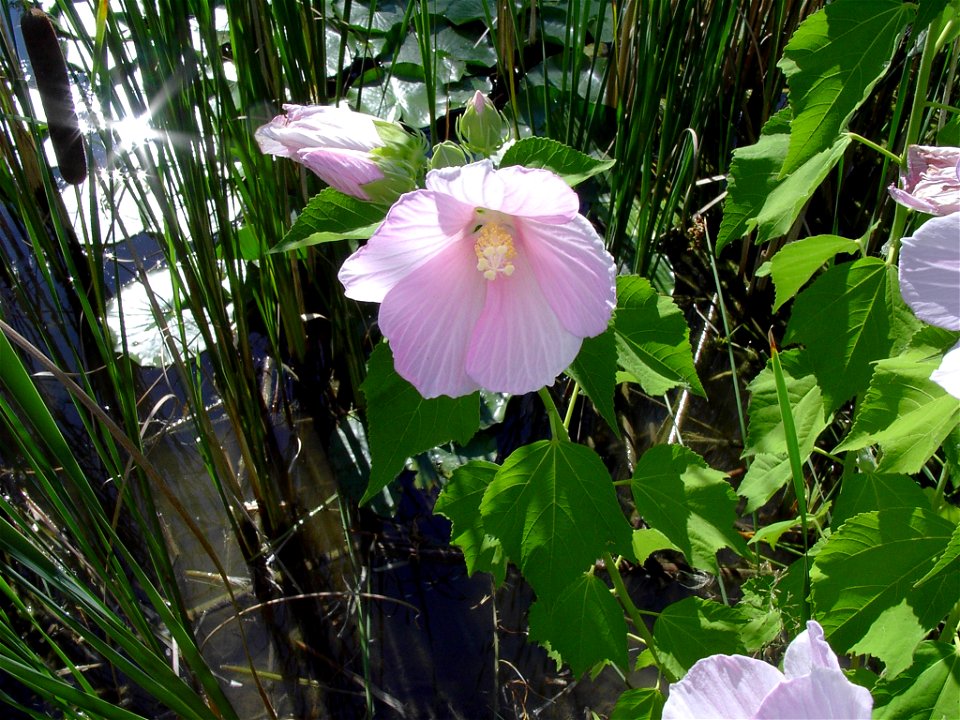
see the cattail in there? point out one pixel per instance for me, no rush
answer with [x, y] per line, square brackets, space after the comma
[50, 72]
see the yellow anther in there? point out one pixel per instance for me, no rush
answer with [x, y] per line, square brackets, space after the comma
[495, 251]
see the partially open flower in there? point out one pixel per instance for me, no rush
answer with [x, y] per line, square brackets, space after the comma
[734, 687]
[930, 285]
[487, 279]
[357, 154]
[931, 183]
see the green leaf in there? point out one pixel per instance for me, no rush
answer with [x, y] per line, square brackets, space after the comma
[584, 625]
[639, 704]
[904, 412]
[595, 369]
[928, 12]
[947, 564]
[459, 502]
[766, 433]
[845, 320]
[653, 339]
[694, 628]
[694, 506]
[539, 152]
[648, 540]
[331, 215]
[758, 196]
[554, 507]
[929, 688]
[863, 584]
[766, 438]
[797, 262]
[865, 492]
[766, 475]
[832, 63]
[402, 423]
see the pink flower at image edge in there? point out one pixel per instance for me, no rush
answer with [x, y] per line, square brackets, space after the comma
[736, 687]
[487, 279]
[931, 183]
[930, 284]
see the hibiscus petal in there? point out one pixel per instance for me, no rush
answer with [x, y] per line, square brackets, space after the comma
[576, 274]
[721, 687]
[429, 318]
[419, 226]
[823, 694]
[519, 191]
[346, 170]
[947, 375]
[930, 271]
[519, 344]
[809, 650]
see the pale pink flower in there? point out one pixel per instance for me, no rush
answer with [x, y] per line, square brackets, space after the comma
[931, 183]
[487, 279]
[930, 285]
[735, 687]
[357, 154]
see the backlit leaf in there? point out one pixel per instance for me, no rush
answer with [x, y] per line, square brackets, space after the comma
[694, 628]
[653, 339]
[846, 321]
[796, 263]
[554, 508]
[639, 704]
[584, 625]
[758, 196]
[832, 63]
[402, 423]
[694, 506]
[765, 436]
[649, 540]
[539, 152]
[929, 688]
[863, 584]
[947, 564]
[331, 215]
[904, 412]
[459, 502]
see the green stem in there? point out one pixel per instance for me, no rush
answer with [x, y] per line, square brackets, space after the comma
[913, 128]
[632, 611]
[796, 463]
[568, 418]
[873, 146]
[557, 427]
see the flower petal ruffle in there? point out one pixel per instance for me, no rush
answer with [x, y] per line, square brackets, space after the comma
[930, 271]
[429, 318]
[419, 227]
[345, 170]
[519, 344]
[823, 694]
[518, 191]
[721, 687]
[575, 272]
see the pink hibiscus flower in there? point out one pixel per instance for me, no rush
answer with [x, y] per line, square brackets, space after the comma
[487, 279]
[931, 183]
[358, 154]
[930, 285]
[812, 686]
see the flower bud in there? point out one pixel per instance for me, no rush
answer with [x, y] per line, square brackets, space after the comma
[482, 128]
[447, 154]
[357, 154]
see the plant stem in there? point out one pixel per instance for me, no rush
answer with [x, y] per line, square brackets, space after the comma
[557, 428]
[913, 128]
[872, 145]
[632, 611]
